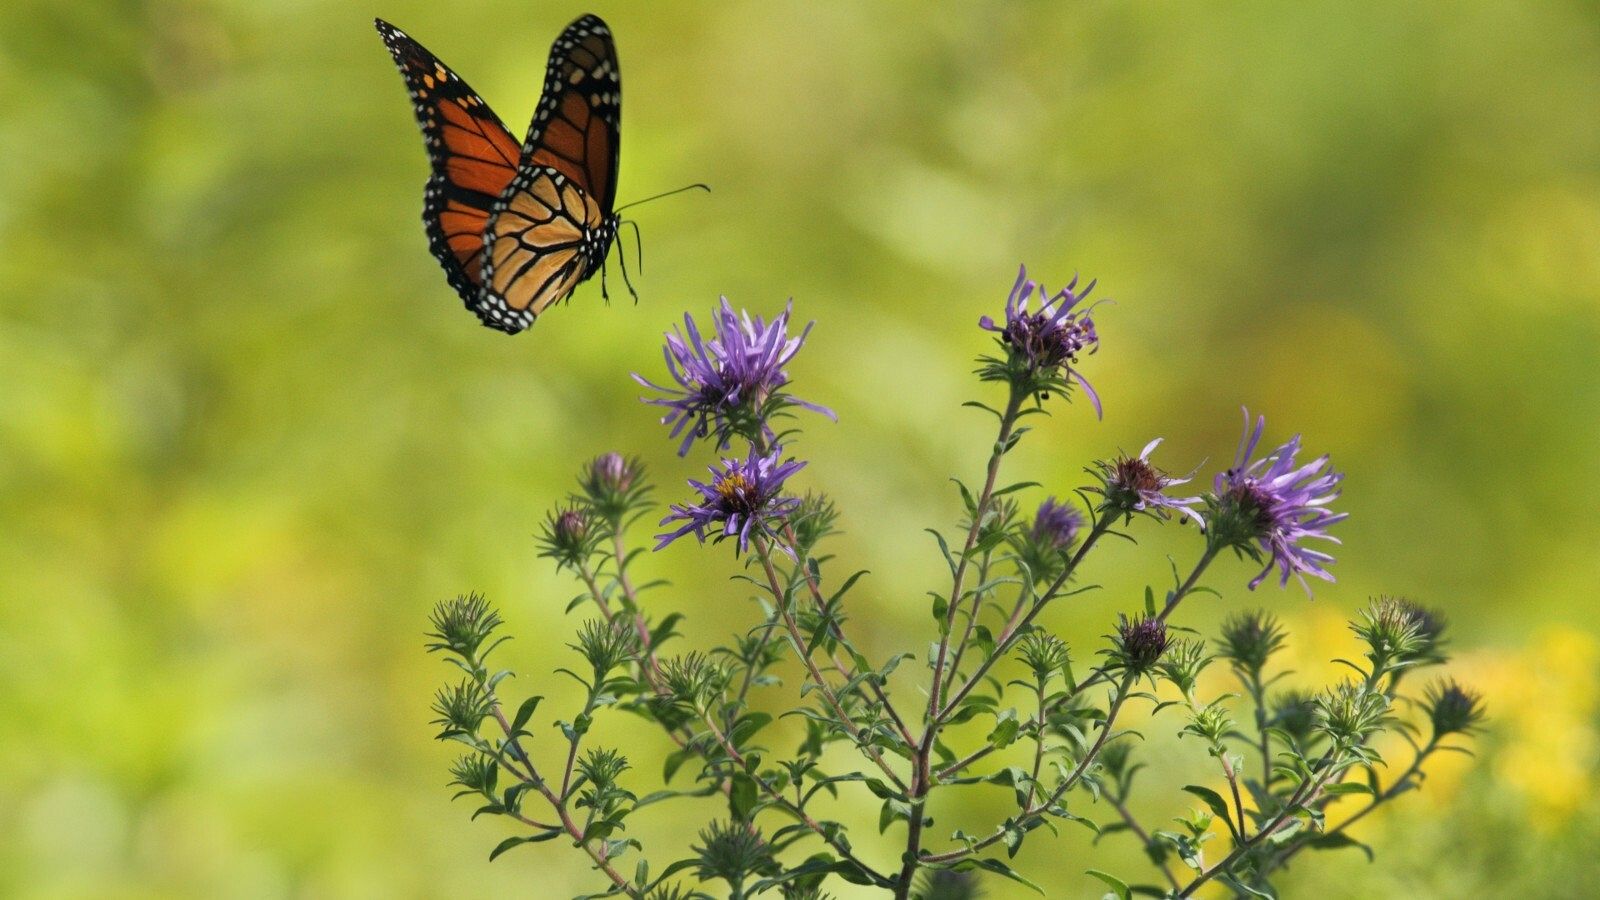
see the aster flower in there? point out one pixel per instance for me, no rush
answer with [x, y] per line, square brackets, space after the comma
[1269, 506]
[1043, 547]
[743, 499]
[1042, 346]
[1136, 485]
[1056, 525]
[731, 383]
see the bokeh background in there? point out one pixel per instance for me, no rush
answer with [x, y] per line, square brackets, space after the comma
[248, 436]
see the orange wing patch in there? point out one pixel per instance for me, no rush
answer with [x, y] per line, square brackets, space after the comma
[472, 155]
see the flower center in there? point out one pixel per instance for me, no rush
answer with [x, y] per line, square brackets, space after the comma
[1253, 502]
[1138, 476]
[736, 490]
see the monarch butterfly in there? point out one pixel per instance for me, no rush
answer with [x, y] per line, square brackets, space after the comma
[518, 227]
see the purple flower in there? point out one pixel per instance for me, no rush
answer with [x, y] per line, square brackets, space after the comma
[730, 383]
[1043, 346]
[1133, 484]
[1276, 504]
[1056, 525]
[743, 498]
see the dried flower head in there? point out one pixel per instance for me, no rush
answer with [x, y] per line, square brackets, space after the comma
[744, 499]
[1268, 507]
[1042, 346]
[732, 383]
[1133, 484]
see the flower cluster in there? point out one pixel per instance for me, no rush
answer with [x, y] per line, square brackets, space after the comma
[993, 666]
[1043, 548]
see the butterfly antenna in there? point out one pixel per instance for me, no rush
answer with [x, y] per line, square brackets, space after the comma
[691, 187]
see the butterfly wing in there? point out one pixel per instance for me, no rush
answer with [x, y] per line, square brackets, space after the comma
[474, 158]
[577, 128]
[541, 244]
[552, 225]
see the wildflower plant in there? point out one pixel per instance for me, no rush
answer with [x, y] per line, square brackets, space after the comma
[776, 739]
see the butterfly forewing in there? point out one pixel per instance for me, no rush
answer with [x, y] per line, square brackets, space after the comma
[577, 127]
[472, 154]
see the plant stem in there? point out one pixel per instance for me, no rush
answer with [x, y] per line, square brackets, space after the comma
[1302, 795]
[1013, 632]
[1061, 789]
[1121, 806]
[780, 597]
[793, 808]
[1008, 422]
[1098, 676]
[559, 804]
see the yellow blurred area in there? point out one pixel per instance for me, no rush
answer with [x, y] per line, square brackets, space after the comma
[248, 436]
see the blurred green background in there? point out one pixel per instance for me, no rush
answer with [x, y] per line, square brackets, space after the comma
[248, 436]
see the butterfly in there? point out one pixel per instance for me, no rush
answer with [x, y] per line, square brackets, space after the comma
[517, 227]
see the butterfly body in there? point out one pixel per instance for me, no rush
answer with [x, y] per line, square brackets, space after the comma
[517, 227]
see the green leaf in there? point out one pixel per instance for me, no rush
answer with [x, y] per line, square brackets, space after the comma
[1243, 889]
[1337, 841]
[524, 713]
[997, 867]
[1212, 800]
[1005, 729]
[505, 845]
[747, 726]
[742, 797]
[1117, 885]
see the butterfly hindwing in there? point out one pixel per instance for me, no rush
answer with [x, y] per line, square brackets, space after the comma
[541, 243]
